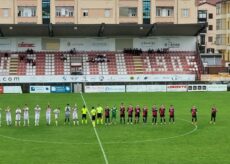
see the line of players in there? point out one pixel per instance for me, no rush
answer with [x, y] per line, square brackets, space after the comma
[97, 113]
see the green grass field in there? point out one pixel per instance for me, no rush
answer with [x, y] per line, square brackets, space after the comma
[180, 143]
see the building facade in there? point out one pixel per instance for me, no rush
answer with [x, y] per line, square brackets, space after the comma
[207, 14]
[98, 11]
[223, 28]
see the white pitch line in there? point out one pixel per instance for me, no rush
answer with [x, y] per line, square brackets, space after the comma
[158, 139]
[95, 130]
[107, 143]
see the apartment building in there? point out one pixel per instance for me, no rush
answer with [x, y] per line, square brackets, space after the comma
[223, 28]
[207, 14]
[98, 11]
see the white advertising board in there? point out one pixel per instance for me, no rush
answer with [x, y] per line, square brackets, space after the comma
[176, 43]
[145, 88]
[22, 44]
[204, 87]
[217, 87]
[104, 88]
[177, 88]
[39, 89]
[95, 78]
[5, 44]
[12, 89]
[88, 44]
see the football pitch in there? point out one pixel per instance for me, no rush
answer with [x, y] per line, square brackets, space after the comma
[180, 143]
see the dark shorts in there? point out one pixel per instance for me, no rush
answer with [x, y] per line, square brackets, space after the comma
[137, 115]
[93, 118]
[194, 116]
[106, 116]
[214, 115]
[122, 115]
[171, 116]
[99, 115]
[83, 116]
[162, 115]
[154, 116]
[130, 115]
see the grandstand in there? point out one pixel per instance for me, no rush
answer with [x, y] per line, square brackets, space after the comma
[158, 55]
[52, 63]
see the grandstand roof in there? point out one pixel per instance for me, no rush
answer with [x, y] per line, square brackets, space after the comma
[99, 30]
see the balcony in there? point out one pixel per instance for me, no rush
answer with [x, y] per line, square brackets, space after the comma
[129, 3]
[165, 3]
[128, 20]
[169, 19]
[63, 20]
[27, 3]
[30, 20]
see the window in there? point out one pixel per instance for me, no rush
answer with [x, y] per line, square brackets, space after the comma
[202, 39]
[132, 12]
[210, 27]
[202, 16]
[128, 12]
[164, 12]
[85, 13]
[26, 11]
[185, 12]
[5, 12]
[107, 12]
[210, 15]
[64, 11]
[210, 39]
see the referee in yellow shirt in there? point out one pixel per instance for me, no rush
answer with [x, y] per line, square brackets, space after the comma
[93, 115]
[99, 110]
[84, 114]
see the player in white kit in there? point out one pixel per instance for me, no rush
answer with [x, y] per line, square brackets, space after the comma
[56, 115]
[75, 115]
[26, 115]
[18, 116]
[8, 116]
[37, 110]
[48, 115]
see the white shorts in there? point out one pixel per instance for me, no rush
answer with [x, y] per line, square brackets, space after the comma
[56, 116]
[8, 118]
[48, 117]
[18, 117]
[37, 116]
[26, 117]
[75, 116]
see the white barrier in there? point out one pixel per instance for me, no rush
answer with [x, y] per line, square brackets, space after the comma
[217, 87]
[96, 78]
[145, 88]
[209, 87]
[39, 89]
[104, 88]
[12, 89]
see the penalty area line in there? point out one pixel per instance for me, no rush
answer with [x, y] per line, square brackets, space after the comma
[96, 133]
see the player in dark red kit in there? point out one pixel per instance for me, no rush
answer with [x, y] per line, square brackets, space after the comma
[154, 115]
[145, 114]
[130, 114]
[122, 113]
[194, 114]
[162, 114]
[171, 114]
[137, 114]
[107, 115]
[213, 114]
